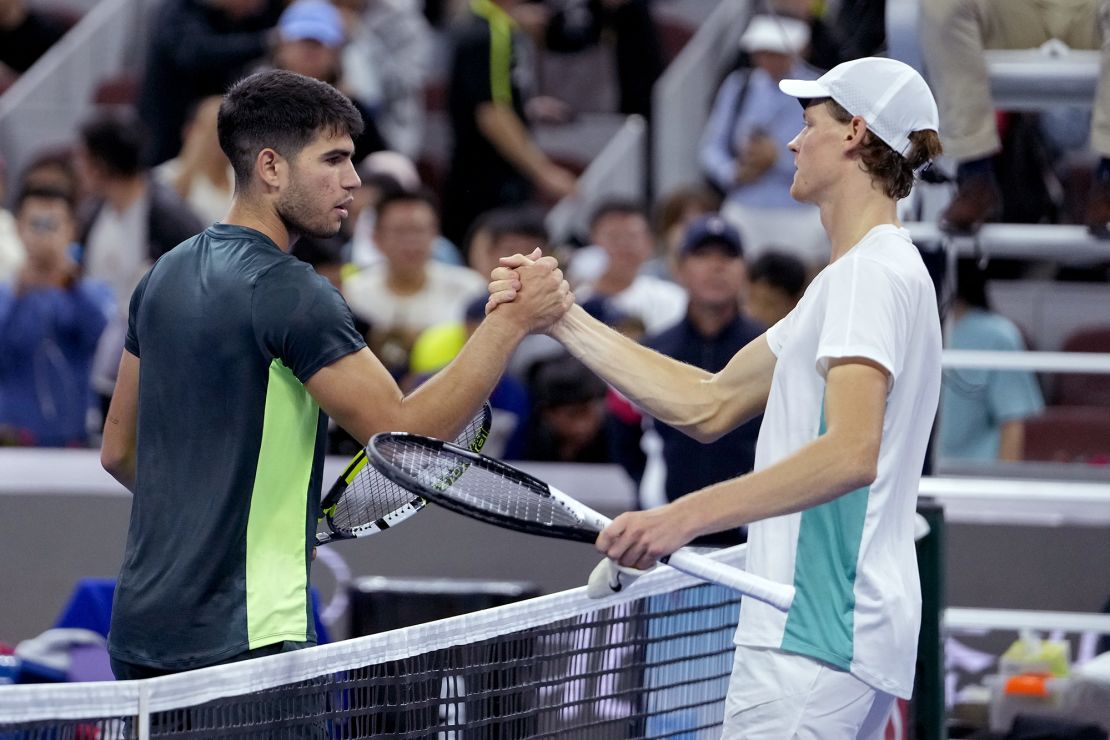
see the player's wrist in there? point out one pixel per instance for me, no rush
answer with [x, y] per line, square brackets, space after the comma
[507, 325]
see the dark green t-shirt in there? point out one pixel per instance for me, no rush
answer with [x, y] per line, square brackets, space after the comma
[227, 328]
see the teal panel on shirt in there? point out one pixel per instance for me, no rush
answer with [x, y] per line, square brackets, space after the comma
[821, 621]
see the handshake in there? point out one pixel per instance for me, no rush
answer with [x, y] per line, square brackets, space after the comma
[534, 287]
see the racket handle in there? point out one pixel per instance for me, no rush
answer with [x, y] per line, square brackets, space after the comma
[778, 595]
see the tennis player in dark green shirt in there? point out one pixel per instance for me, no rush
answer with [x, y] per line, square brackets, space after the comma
[235, 352]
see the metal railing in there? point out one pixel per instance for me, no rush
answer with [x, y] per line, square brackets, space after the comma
[619, 170]
[43, 107]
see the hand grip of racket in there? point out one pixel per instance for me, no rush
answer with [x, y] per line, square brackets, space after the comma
[778, 595]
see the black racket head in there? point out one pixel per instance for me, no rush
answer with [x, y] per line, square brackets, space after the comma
[475, 485]
[363, 502]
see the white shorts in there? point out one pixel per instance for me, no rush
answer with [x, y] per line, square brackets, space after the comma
[780, 696]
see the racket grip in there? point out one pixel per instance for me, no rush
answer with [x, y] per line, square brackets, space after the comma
[778, 595]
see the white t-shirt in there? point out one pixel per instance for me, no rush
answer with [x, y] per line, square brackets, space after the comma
[118, 249]
[852, 560]
[660, 304]
[446, 292]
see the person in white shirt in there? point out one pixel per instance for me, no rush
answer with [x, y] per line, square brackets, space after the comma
[849, 382]
[408, 291]
[621, 230]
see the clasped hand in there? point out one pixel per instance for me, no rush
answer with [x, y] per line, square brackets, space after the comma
[535, 284]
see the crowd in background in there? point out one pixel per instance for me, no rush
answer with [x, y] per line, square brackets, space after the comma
[696, 274]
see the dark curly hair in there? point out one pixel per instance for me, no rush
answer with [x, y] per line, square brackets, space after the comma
[893, 171]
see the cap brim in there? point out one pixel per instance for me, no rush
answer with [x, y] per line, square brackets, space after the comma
[804, 89]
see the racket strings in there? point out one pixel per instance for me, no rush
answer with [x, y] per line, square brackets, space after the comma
[370, 497]
[479, 485]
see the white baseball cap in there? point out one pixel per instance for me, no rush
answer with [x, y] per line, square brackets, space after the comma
[775, 33]
[889, 95]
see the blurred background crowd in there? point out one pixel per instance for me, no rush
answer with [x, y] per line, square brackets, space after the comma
[481, 116]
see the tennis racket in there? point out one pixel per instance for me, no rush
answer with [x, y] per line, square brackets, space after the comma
[362, 502]
[494, 492]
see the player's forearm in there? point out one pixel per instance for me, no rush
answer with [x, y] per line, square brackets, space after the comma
[444, 404]
[117, 452]
[819, 472]
[677, 394]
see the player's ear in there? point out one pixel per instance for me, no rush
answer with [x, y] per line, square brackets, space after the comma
[271, 168]
[855, 133]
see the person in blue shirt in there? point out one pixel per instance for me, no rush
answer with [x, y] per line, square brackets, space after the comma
[50, 321]
[983, 412]
[744, 150]
[711, 268]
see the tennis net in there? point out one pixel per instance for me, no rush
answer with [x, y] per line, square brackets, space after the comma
[651, 662]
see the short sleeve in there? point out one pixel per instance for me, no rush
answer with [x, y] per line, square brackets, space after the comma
[302, 320]
[131, 340]
[867, 315]
[779, 332]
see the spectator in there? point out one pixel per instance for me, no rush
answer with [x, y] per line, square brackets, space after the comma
[982, 412]
[383, 173]
[711, 268]
[386, 62]
[197, 48]
[134, 220]
[26, 33]
[50, 321]
[621, 229]
[311, 38]
[408, 291]
[494, 160]
[500, 233]
[201, 174]
[954, 34]
[54, 169]
[776, 282]
[744, 147]
[568, 414]
[673, 214]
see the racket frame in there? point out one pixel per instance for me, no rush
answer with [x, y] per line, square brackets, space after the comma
[355, 467]
[776, 594]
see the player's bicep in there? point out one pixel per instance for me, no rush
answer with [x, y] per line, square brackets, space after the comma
[855, 406]
[359, 393]
[742, 386]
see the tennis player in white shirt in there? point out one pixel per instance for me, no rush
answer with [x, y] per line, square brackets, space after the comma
[848, 383]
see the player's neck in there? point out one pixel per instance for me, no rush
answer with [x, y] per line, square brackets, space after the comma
[253, 215]
[852, 212]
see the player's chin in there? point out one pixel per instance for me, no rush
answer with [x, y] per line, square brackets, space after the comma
[797, 192]
[324, 230]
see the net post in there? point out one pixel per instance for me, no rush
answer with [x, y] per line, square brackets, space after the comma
[928, 699]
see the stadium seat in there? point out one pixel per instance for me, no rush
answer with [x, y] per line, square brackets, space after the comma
[1069, 434]
[1085, 389]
